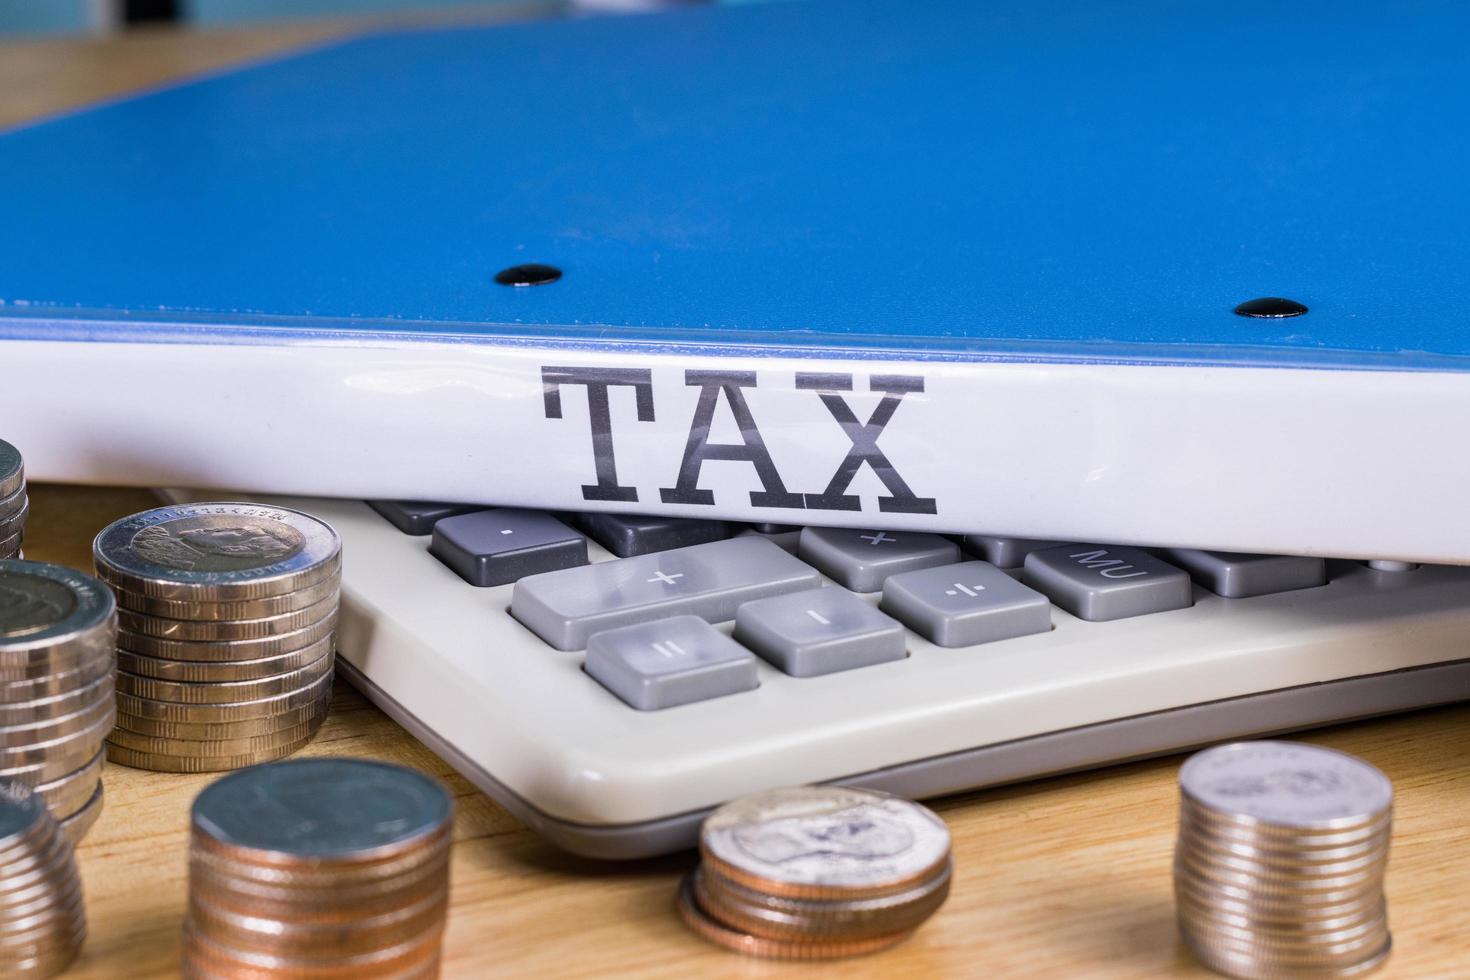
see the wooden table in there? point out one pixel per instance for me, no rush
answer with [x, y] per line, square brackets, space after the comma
[1063, 878]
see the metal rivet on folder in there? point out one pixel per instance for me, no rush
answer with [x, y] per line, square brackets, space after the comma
[530, 274]
[1270, 306]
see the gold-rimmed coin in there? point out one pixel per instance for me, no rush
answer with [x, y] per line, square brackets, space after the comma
[71, 792]
[240, 609]
[157, 762]
[174, 711]
[239, 728]
[223, 692]
[43, 762]
[47, 731]
[228, 650]
[55, 705]
[77, 824]
[217, 552]
[197, 672]
[240, 746]
[215, 631]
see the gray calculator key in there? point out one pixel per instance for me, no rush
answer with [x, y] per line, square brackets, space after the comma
[669, 662]
[966, 604]
[419, 516]
[820, 631]
[1004, 552]
[495, 547]
[710, 581]
[1100, 583]
[626, 536]
[1242, 576]
[861, 560]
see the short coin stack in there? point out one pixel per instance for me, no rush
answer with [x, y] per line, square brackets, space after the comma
[320, 868]
[14, 505]
[227, 616]
[57, 635]
[816, 872]
[1279, 866]
[42, 921]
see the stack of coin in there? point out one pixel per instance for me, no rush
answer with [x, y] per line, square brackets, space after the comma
[816, 872]
[319, 868]
[14, 505]
[1279, 866]
[57, 635]
[227, 616]
[42, 922]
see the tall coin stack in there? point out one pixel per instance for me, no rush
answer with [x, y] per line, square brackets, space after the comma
[57, 630]
[14, 505]
[816, 872]
[319, 868]
[227, 616]
[1279, 866]
[42, 921]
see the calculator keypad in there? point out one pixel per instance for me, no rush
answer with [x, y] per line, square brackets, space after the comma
[966, 604]
[644, 618]
[818, 631]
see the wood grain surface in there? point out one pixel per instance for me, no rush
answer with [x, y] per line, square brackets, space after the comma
[1066, 877]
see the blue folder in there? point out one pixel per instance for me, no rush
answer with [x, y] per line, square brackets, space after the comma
[948, 179]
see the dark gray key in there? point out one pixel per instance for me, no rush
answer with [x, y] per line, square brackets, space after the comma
[1004, 552]
[669, 662]
[861, 560]
[626, 536]
[419, 516]
[1098, 583]
[966, 604]
[710, 581]
[495, 547]
[819, 631]
[1242, 576]
[785, 535]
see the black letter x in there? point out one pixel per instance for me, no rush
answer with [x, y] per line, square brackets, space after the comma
[864, 437]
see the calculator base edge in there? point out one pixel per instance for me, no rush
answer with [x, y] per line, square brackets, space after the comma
[1055, 753]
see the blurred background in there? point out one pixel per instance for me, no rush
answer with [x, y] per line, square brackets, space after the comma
[52, 18]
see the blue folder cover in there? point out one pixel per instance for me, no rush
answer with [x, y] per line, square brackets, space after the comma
[927, 264]
[972, 180]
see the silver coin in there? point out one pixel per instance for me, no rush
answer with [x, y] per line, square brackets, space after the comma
[12, 469]
[237, 610]
[216, 552]
[62, 682]
[217, 631]
[67, 794]
[46, 607]
[77, 824]
[143, 707]
[53, 706]
[206, 730]
[1288, 784]
[322, 808]
[49, 730]
[194, 672]
[234, 745]
[223, 692]
[13, 503]
[13, 525]
[227, 650]
[49, 761]
[825, 838]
